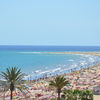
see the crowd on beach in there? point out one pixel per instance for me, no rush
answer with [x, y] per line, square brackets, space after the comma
[39, 89]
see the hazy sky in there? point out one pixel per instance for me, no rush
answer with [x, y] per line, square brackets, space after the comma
[50, 22]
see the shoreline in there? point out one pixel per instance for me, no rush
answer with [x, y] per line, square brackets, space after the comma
[86, 78]
[82, 79]
[73, 69]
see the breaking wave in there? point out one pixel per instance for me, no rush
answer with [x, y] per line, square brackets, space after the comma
[86, 61]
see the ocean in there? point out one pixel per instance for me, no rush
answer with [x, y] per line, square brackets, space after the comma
[36, 64]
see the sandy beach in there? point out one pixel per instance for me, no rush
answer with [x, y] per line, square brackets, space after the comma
[87, 53]
[86, 78]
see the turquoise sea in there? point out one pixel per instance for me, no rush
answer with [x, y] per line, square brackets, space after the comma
[35, 63]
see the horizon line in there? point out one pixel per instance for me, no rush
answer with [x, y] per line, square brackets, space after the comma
[48, 45]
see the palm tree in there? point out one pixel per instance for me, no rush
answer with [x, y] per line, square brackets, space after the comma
[68, 94]
[59, 82]
[86, 95]
[72, 94]
[13, 76]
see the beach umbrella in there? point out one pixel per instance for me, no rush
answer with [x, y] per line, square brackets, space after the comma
[30, 83]
[26, 87]
[67, 84]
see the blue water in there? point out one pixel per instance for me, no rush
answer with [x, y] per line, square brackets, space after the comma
[35, 63]
[49, 48]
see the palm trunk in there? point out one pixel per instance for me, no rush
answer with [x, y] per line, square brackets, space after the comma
[58, 96]
[11, 95]
[11, 89]
[59, 91]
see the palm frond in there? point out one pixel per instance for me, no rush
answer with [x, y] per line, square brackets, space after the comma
[59, 82]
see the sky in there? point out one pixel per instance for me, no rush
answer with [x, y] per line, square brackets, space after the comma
[50, 22]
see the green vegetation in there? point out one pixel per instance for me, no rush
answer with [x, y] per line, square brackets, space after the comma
[76, 95]
[86, 95]
[13, 76]
[59, 82]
